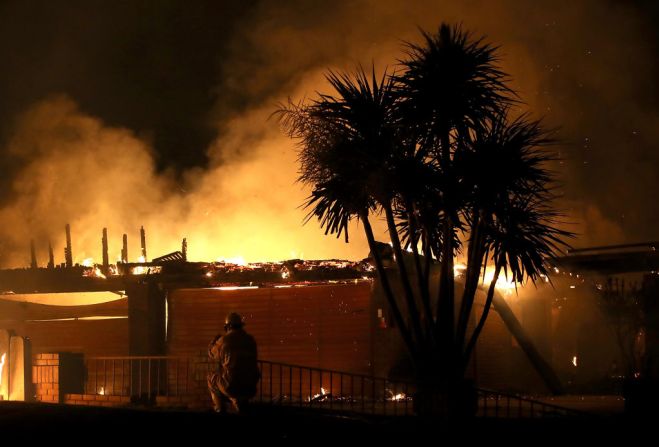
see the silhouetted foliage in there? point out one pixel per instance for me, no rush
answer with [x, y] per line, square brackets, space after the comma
[433, 149]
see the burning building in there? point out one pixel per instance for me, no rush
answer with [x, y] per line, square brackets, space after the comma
[327, 314]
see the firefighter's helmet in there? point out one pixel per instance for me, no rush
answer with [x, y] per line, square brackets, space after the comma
[233, 321]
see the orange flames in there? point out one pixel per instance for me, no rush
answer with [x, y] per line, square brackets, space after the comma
[2, 365]
[504, 285]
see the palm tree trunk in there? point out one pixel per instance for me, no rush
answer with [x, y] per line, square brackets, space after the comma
[481, 322]
[404, 277]
[446, 296]
[421, 277]
[474, 261]
[388, 292]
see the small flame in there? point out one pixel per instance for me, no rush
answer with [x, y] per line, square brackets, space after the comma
[2, 365]
[319, 395]
[88, 262]
[574, 360]
[140, 270]
[237, 260]
[102, 391]
[459, 269]
[503, 284]
[285, 274]
[98, 273]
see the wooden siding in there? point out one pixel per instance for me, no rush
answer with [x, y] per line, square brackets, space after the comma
[324, 326]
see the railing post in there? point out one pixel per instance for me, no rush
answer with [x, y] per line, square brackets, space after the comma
[290, 383]
[352, 392]
[261, 383]
[362, 393]
[331, 391]
[341, 390]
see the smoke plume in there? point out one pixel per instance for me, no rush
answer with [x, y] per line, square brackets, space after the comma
[224, 176]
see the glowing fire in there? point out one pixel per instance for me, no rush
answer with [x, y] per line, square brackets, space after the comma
[102, 391]
[140, 270]
[320, 395]
[237, 260]
[504, 284]
[574, 360]
[2, 365]
[88, 262]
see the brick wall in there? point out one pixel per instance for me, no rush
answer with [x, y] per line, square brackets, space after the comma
[45, 377]
[96, 400]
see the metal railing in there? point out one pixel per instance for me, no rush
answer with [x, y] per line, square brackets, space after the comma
[503, 405]
[147, 378]
[301, 386]
[143, 377]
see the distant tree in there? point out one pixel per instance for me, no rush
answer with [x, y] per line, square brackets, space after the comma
[632, 312]
[433, 149]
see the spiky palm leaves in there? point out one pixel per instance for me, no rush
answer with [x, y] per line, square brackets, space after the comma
[434, 151]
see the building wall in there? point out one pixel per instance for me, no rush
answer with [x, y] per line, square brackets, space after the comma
[53, 328]
[324, 326]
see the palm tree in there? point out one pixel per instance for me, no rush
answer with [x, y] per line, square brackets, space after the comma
[349, 144]
[433, 150]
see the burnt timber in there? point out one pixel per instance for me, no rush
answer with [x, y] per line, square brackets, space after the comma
[173, 272]
[613, 259]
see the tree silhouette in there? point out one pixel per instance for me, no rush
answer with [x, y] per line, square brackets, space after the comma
[433, 149]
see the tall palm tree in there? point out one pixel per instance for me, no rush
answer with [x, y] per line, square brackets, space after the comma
[349, 144]
[449, 85]
[434, 150]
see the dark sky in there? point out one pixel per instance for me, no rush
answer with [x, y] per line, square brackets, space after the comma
[175, 73]
[150, 66]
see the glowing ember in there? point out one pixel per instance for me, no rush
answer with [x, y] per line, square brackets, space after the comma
[285, 274]
[2, 365]
[320, 395]
[503, 284]
[237, 260]
[140, 270]
[459, 269]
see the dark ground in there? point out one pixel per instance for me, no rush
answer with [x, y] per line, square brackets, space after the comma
[75, 424]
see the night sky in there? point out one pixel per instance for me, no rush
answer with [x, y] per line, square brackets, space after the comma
[161, 108]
